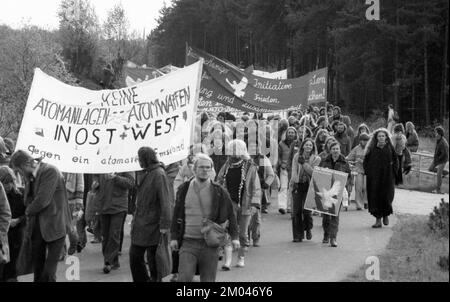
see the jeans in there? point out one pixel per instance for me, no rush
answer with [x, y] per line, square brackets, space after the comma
[45, 255]
[254, 229]
[360, 190]
[77, 234]
[195, 252]
[111, 229]
[137, 263]
[283, 196]
[301, 219]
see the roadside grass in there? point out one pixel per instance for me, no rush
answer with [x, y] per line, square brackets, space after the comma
[412, 254]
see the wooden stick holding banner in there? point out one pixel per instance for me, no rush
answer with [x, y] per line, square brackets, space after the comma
[197, 94]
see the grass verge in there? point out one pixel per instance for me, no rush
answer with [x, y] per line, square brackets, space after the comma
[412, 254]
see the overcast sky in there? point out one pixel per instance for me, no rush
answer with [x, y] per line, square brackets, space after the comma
[141, 13]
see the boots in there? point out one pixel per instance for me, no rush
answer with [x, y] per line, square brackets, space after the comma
[333, 242]
[377, 224]
[386, 220]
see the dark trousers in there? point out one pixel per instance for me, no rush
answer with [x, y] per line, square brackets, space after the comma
[195, 252]
[399, 172]
[122, 232]
[301, 219]
[15, 236]
[111, 229]
[264, 202]
[330, 226]
[45, 256]
[137, 263]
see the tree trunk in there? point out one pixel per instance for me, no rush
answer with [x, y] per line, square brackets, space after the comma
[396, 82]
[413, 99]
[426, 87]
[444, 92]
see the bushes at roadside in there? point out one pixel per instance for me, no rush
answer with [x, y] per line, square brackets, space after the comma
[438, 223]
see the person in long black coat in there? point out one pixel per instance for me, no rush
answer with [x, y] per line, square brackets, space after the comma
[380, 164]
[151, 218]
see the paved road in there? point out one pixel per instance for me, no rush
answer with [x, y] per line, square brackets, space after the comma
[279, 259]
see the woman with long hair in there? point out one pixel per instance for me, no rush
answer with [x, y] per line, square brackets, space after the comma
[412, 138]
[403, 154]
[303, 165]
[380, 164]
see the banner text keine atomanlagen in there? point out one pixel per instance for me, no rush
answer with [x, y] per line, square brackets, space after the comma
[104, 129]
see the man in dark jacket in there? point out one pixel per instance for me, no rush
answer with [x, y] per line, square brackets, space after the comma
[343, 139]
[47, 193]
[112, 194]
[440, 157]
[151, 219]
[197, 199]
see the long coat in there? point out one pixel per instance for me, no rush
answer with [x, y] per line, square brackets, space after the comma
[153, 207]
[380, 165]
[5, 212]
[49, 201]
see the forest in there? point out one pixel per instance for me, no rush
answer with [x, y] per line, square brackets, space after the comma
[400, 59]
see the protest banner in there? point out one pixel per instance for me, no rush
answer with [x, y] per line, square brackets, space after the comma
[326, 190]
[222, 82]
[280, 75]
[85, 131]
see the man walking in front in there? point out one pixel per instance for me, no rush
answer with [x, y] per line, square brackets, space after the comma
[199, 199]
[49, 207]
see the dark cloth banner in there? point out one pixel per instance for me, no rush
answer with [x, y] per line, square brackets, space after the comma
[226, 84]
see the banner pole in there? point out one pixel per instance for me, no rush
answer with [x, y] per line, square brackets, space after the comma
[197, 97]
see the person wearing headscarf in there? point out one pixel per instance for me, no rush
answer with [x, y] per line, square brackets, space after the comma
[380, 165]
[363, 128]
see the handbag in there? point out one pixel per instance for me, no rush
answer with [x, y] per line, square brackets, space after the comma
[4, 249]
[163, 257]
[213, 233]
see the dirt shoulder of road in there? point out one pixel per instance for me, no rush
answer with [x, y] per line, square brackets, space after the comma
[413, 254]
